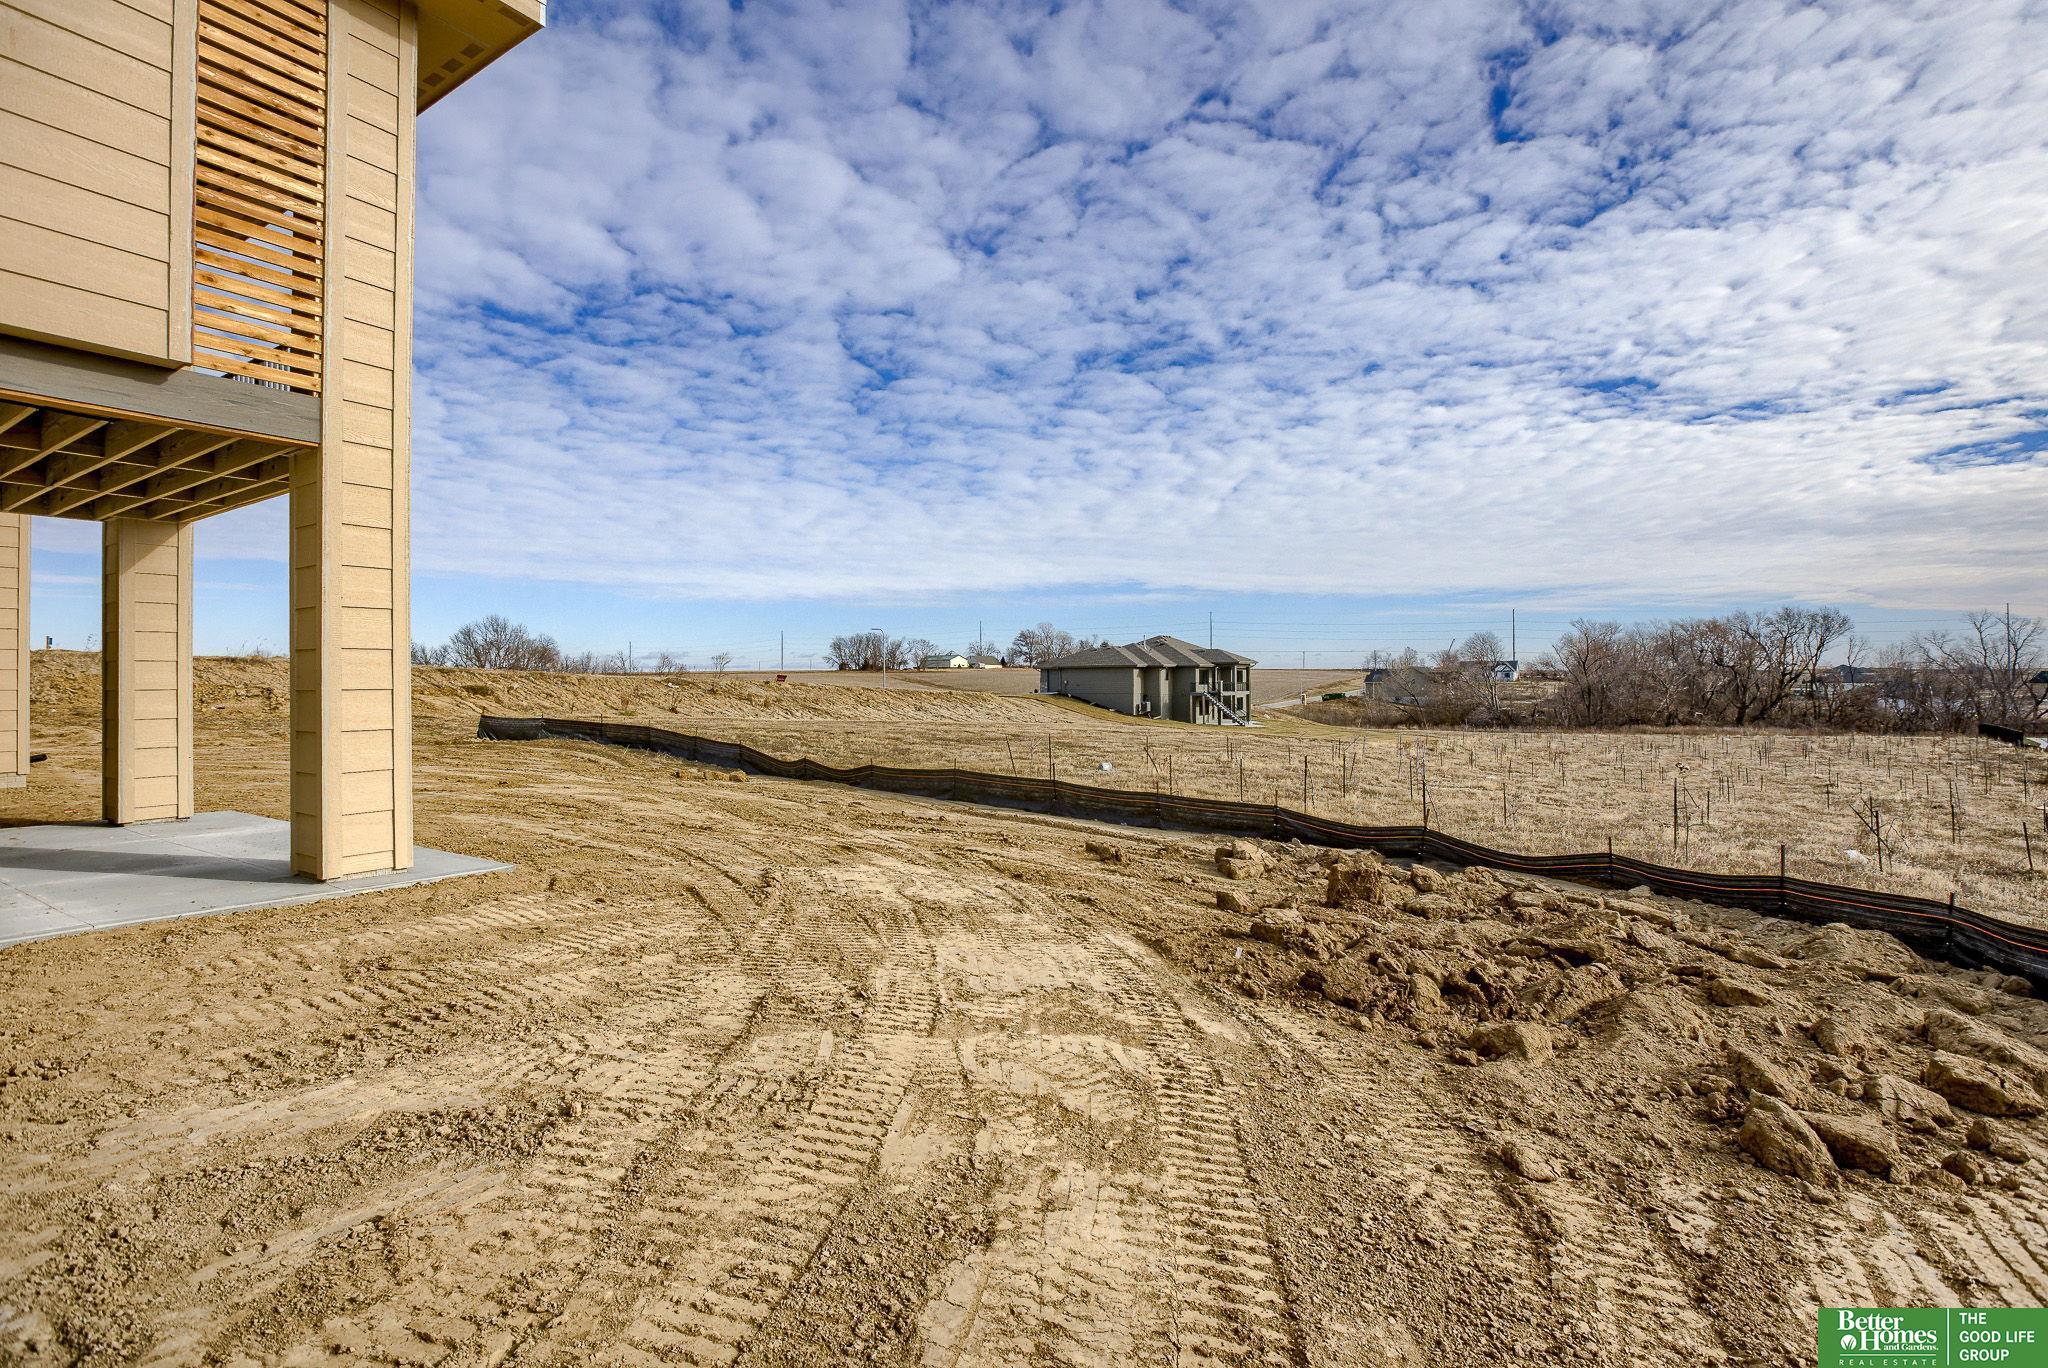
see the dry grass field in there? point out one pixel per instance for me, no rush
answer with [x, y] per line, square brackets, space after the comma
[755, 1072]
[1958, 815]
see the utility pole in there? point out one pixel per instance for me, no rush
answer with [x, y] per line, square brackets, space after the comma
[781, 651]
[1514, 647]
[1212, 629]
[629, 657]
[882, 652]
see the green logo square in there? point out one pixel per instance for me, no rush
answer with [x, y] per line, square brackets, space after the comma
[1932, 1337]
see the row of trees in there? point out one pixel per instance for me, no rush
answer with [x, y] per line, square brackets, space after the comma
[1734, 670]
[1799, 665]
[875, 649]
[497, 643]
[1794, 666]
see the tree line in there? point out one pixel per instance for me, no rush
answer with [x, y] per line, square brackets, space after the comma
[1793, 666]
[875, 649]
[497, 643]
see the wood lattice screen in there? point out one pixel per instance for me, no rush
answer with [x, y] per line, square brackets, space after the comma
[260, 190]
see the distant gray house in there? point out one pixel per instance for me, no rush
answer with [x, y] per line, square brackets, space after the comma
[1160, 676]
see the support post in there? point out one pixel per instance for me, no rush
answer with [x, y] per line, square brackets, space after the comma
[145, 671]
[350, 497]
[14, 649]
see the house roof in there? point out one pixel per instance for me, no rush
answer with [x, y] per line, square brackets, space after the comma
[984, 660]
[1149, 653]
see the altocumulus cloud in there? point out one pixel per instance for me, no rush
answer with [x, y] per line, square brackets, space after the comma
[1630, 296]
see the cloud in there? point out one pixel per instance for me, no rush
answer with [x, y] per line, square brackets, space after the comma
[1645, 299]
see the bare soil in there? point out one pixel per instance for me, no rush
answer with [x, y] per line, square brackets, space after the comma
[771, 1073]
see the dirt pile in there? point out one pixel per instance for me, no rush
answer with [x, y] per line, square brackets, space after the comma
[1814, 1051]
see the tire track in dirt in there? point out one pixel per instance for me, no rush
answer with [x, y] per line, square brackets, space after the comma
[413, 1023]
[733, 1248]
[1069, 1271]
[1988, 1247]
[1869, 1258]
[542, 1224]
[1639, 1302]
[581, 927]
[1640, 1306]
[605, 1057]
[1226, 1300]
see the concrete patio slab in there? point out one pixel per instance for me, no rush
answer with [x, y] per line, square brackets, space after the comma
[60, 879]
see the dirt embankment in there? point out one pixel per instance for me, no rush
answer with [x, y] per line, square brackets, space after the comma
[65, 691]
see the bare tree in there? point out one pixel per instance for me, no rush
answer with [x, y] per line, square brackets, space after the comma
[870, 650]
[495, 643]
[1480, 646]
[423, 654]
[1593, 659]
[1995, 663]
[916, 649]
[1043, 643]
[720, 661]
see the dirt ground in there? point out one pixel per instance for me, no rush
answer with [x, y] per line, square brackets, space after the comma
[770, 1073]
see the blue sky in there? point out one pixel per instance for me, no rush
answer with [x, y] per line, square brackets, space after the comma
[1356, 324]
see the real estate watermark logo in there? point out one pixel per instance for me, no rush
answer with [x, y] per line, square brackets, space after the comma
[1932, 1337]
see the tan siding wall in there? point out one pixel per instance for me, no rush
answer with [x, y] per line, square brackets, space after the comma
[14, 649]
[351, 627]
[146, 616]
[95, 189]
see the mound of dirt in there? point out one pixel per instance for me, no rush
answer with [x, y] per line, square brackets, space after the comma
[1809, 1050]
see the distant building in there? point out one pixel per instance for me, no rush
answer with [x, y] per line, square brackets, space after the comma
[985, 662]
[943, 662]
[1505, 671]
[1160, 676]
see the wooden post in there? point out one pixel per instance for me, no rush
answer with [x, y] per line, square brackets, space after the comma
[14, 649]
[350, 497]
[146, 671]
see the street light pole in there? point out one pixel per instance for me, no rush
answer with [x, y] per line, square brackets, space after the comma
[882, 652]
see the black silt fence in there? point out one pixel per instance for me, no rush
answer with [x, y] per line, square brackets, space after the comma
[1941, 930]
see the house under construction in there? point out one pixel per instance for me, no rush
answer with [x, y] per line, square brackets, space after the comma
[206, 242]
